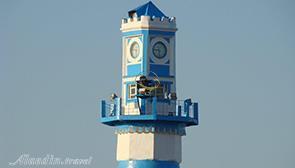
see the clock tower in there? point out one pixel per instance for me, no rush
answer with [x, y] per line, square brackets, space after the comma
[149, 118]
[148, 38]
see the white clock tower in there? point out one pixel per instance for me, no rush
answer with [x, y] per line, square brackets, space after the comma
[148, 49]
[149, 119]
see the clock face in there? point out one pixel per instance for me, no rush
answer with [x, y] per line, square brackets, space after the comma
[159, 50]
[134, 50]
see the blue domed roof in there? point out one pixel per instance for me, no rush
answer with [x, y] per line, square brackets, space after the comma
[148, 9]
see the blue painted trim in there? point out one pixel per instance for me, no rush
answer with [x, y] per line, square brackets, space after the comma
[143, 106]
[184, 119]
[170, 77]
[179, 110]
[196, 112]
[167, 82]
[147, 164]
[145, 55]
[154, 110]
[165, 33]
[160, 70]
[123, 119]
[103, 108]
[133, 70]
[156, 124]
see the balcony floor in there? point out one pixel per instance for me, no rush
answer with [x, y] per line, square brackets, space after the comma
[122, 119]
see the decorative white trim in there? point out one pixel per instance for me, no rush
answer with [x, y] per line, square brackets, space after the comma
[146, 22]
[130, 59]
[150, 129]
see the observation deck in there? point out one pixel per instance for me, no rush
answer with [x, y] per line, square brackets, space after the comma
[182, 112]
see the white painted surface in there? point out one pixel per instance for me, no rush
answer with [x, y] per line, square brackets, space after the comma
[135, 146]
[154, 146]
[145, 22]
[167, 147]
[123, 146]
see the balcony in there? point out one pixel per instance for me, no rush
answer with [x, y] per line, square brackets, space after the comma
[150, 110]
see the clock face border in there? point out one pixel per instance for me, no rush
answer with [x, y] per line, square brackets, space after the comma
[130, 42]
[154, 58]
[134, 46]
[158, 55]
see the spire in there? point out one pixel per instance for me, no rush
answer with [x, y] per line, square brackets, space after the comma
[148, 9]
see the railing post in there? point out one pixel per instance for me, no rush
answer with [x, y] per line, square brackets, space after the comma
[103, 108]
[118, 104]
[196, 111]
[187, 104]
[142, 107]
[179, 110]
[187, 112]
[154, 106]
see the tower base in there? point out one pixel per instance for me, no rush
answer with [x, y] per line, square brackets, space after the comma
[147, 164]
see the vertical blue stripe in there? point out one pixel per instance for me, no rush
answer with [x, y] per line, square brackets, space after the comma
[196, 112]
[145, 52]
[103, 108]
[154, 106]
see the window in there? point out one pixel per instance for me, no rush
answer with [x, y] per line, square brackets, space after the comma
[132, 91]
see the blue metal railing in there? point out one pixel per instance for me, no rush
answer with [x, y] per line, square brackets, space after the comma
[164, 107]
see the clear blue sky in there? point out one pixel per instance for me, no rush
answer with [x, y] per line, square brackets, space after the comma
[237, 58]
